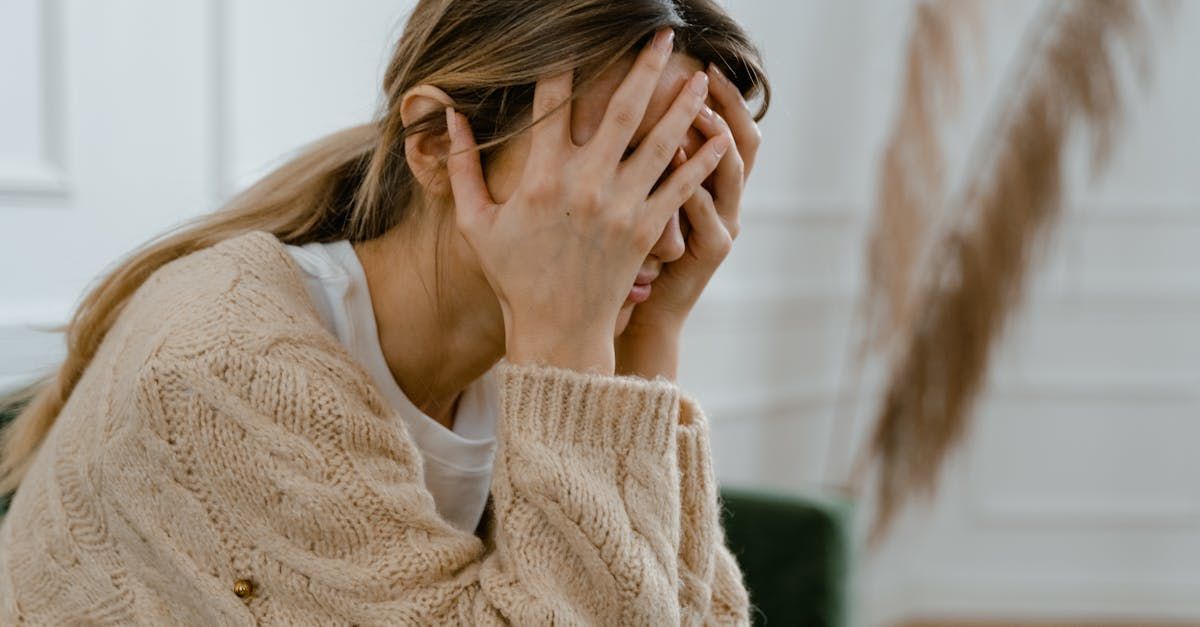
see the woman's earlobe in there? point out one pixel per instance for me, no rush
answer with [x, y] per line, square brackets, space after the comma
[426, 151]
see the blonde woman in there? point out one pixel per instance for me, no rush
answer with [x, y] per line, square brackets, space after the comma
[424, 372]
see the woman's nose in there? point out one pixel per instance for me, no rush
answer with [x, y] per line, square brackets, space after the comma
[669, 246]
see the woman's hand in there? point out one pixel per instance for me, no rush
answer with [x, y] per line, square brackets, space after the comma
[650, 344]
[563, 250]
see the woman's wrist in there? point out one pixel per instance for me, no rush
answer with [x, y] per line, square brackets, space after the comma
[579, 354]
[649, 351]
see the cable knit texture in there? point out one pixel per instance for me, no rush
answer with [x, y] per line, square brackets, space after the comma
[222, 435]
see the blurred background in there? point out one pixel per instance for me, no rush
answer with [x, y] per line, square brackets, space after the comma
[1075, 498]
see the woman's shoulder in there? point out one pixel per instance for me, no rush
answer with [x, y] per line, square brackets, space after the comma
[237, 314]
[245, 289]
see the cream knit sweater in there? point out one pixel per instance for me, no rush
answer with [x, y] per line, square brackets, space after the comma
[224, 461]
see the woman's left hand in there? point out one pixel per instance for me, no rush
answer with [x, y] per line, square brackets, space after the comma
[650, 344]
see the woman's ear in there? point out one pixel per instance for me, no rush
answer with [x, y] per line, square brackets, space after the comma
[426, 152]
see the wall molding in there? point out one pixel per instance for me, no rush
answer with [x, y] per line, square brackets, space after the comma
[719, 303]
[774, 209]
[1065, 509]
[1078, 514]
[1113, 297]
[962, 595]
[47, 176]
[801, 402]
[220, 103]
[26, 354]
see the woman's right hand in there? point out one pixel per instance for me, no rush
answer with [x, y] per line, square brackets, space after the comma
[563, 251]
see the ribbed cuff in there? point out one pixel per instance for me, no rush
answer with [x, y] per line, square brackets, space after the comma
[698, 497]
[570, 408]
[695, 453]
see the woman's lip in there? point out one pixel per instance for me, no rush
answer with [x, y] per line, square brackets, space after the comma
[639, 294]
[644, 278]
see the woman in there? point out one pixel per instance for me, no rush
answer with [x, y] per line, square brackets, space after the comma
[409, 379]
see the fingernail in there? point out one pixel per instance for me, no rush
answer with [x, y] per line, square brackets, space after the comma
[450, 120]
[699, 83]
[680, 157]
[718, 73]
[706, 112]
[721, 144]
[664, 40]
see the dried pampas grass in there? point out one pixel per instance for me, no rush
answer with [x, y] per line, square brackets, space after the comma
[973, 271]
[912, 171]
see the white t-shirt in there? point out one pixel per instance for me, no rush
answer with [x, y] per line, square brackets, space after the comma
[458, 463]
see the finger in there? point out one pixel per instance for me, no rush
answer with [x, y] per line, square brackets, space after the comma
[655, 151]
[677, 162]
[737, 113]
[465, 172]
[685, 180]
[729, 177]
[551, 117]
[628, 104]
[679, 159]
[710, 237]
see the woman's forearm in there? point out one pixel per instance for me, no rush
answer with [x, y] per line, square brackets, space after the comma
[649, 352]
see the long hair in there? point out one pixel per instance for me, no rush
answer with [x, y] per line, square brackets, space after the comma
[356, 184]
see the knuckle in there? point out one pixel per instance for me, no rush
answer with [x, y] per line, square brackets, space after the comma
[723, 123]
[684, 189]
[587, 198]
[715, 157]
[755, 138]
[544, 188]
[618, 228]
[624, 117]
[550, 101]
[662, 150]
[723, 246]
[739, 166]
[644, 238]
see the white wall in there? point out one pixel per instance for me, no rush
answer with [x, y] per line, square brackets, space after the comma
[1075, 493]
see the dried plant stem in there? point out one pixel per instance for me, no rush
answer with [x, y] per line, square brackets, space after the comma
[911, 188]
[912, 169]
[974, 274]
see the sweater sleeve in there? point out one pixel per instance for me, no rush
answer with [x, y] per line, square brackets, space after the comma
[316, 510]
[712, 591]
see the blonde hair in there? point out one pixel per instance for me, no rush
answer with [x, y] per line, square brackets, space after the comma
[356, 184]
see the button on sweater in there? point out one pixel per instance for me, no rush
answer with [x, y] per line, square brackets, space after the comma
[225, 461]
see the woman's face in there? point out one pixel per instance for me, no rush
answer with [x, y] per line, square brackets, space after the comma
[504, 171]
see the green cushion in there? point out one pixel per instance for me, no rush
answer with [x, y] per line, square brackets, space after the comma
[5, 417]
[792, 549]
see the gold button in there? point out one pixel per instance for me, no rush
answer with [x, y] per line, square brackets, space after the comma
[243, 588]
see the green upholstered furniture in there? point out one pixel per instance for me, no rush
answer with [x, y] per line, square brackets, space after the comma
[795, 553]
[793, 550]
[5, 417]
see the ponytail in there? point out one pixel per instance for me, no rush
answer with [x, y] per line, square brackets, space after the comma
[302, 201]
